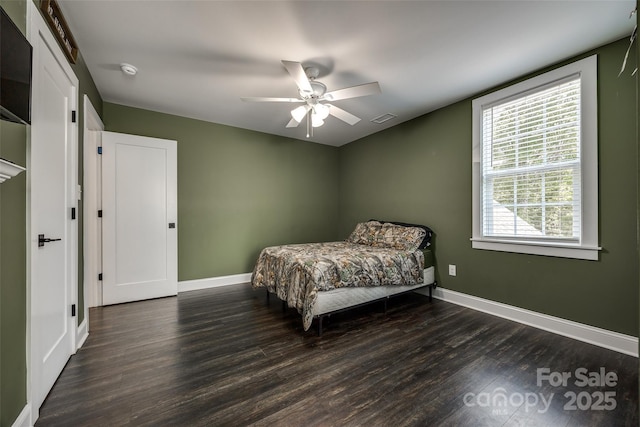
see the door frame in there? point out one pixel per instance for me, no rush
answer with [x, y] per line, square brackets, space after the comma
[36, 27]
[92, 202]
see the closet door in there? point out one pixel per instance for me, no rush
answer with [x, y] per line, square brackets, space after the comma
[139, 218]
[52, 194]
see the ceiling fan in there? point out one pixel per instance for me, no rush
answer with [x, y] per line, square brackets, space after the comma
[313, 96]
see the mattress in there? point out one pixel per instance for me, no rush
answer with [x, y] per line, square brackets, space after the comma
[340, 298]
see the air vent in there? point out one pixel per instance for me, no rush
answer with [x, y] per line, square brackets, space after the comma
[383, 118]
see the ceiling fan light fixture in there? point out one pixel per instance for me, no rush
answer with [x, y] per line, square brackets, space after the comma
[312, 95]
[299, 112]
[321, 111]
[316, 121]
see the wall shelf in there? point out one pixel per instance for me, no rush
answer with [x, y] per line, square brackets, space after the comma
[8, 170]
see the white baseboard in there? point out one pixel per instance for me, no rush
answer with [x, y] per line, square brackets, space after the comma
[621, 343]
[81, 334]
[213, 282]
[23, 419]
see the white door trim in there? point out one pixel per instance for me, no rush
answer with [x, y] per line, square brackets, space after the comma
[91, 203]
[36, 27]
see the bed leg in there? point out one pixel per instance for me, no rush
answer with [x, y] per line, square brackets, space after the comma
[267, 296]
[431, 292]
[320, 320]
[385, 305]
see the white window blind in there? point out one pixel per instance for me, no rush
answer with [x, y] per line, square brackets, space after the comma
[531, 164]
[535, 165]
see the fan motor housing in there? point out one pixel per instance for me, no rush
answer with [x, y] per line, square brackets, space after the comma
[319, 89]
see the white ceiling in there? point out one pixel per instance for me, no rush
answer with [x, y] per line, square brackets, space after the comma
[198, 58]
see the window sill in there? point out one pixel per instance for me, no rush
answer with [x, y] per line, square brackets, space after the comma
[536, 248]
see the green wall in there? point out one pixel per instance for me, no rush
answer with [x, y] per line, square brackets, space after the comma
[13, 260]
[239, 190]
[13, 269]
[423, 174]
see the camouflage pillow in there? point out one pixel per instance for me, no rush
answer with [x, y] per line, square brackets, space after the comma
[365, 233]
[400, 237]
[387, 235]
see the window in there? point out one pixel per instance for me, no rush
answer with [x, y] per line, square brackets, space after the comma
[535, 187]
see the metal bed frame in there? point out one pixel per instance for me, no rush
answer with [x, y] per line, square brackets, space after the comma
[328, 314]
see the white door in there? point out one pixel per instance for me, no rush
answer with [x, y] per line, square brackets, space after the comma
[52, 179]
[139, 218]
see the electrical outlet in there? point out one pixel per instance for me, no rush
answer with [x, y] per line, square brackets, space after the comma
[452, 269]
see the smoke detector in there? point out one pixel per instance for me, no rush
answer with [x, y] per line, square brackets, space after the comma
[128, 69]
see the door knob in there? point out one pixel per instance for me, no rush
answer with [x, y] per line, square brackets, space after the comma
[42, 240]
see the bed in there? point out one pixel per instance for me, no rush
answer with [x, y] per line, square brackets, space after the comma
[378, 260]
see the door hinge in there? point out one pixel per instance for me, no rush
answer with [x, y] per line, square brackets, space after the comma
[100, 213]
[73, 213]
[100, 276]
[99, 150]
[73, 116]
[73, 310]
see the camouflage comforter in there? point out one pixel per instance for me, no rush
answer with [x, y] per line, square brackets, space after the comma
[296, 273]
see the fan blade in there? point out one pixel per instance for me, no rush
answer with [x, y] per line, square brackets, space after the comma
[293, 123]
[339, 113]
[298, 74]
[353, 91]
[265, 99]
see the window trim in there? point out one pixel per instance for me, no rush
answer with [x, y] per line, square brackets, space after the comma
[587, 245]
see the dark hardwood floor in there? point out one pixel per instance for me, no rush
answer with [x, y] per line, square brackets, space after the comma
[223, 357]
